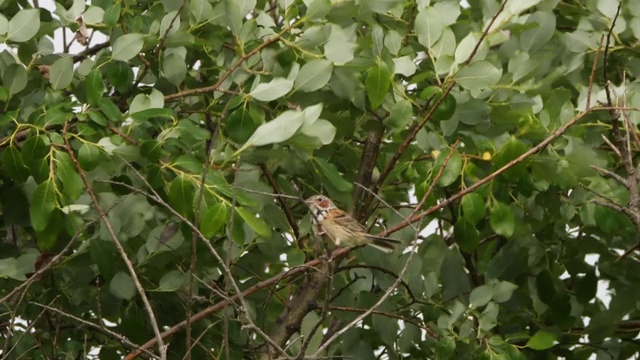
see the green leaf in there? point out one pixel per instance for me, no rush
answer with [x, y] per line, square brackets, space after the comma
[24, 25]
[181, 194]
[232, 15]
[466, 235]
[104, 254]
[393, 42]
[404, 65]
[587, 287]
[400, 115]
[48, 237]
[452, 171]
[445, 348]
[317, 128]
[40, 170]
[94, 86]
[502, 220]
[378, 83]
[473, 207]
[93, 15]
[545, 286]
[4, 25]
[488, 318]
[313, 75]
[151, 149]
[280, 129]
[516, 7]
[154, 100]
[542, 340]
[169, 23]
[127, 46]
[241, 124]
[320, 129]
[8, 268]
[317, 9]
[65, 171]
[112, 14]
[14, 164]
[155, 113]
[110, 110]
[14, 78]
[511, 150]
[478, 75]
[429, 25]
[172, 281]
[465, 48]
[255, 223]
[120, 75]
[480, 296]
[388, 331]
[340, 46]
[174, 68]
[98, 118]
[330, 173]
[455, 280]
[543, 27]
[189, 163]
[214, 219]
[55, 117]
[122, 287]
[34, 148]
[89, 156]
[43, 203]
[272, 90]
[61, 73]
[503, 290]
[201, 10]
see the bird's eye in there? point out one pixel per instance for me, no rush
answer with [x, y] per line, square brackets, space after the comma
[320, 199]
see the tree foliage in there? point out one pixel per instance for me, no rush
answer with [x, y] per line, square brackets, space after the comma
[145, 146]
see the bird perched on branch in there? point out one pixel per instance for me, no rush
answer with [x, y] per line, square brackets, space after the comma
[342, 228]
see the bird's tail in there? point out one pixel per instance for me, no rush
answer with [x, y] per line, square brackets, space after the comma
[383, 244]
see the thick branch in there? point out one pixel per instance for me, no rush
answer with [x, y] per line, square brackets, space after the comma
[367, 163]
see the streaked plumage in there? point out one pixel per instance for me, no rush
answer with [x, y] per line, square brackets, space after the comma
[342, 228]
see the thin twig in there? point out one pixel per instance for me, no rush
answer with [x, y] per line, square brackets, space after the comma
[269, 194]
[194, 236]
[593, 73]
[103, 216]
[231, 69]
[100, 328]
[385, 203]
[283, 204]
[622, 181]
[612, 147]
[424, 327]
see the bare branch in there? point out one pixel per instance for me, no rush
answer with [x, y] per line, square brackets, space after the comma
[622, 181]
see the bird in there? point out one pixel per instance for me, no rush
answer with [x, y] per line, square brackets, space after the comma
[341, 228]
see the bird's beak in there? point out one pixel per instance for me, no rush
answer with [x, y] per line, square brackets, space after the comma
[309, 201]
